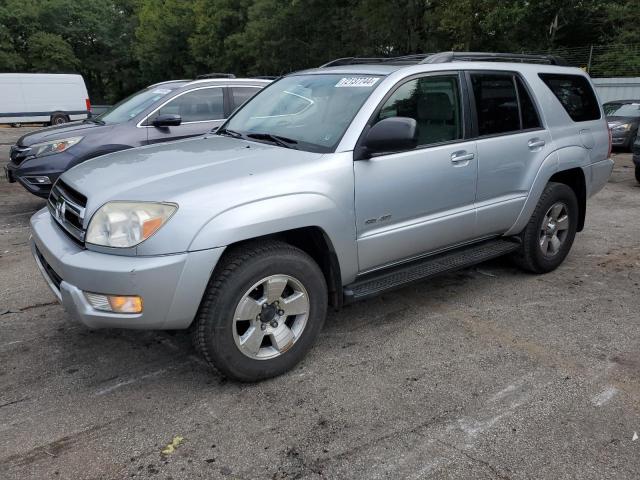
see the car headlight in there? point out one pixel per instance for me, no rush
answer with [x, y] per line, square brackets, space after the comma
[623, 127]
[54, 146]
[126, 224]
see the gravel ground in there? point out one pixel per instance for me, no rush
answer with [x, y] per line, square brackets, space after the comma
[486, 373]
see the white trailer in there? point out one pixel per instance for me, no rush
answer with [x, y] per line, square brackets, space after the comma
[42, 97]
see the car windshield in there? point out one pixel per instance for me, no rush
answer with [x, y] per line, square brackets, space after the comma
[308, 112]
[622, 110]
[133, 105]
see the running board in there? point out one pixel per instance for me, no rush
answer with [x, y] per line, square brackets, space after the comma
[394, 277]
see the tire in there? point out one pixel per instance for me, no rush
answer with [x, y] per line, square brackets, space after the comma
[237, 290]
[638, 173]
[537, 255]
[58, 119]
[16, 125]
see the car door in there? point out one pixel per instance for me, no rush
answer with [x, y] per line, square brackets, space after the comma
[201, 109]
[511, 143]
[421, 200]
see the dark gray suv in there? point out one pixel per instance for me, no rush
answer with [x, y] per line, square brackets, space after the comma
[164, 111]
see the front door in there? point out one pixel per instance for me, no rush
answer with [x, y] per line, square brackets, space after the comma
[201, 110]
[418, 201]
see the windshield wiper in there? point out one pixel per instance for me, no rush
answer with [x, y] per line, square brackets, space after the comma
[95, 120]
[229, 133]
[277, 139]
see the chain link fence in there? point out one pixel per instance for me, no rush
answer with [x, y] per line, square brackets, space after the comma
[614, 60]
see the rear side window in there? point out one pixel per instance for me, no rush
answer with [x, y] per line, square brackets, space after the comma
[496, 103]
[528, 111]
[575, 95]
[242, 94]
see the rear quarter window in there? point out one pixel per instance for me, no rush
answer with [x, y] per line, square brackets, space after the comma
[575, 94]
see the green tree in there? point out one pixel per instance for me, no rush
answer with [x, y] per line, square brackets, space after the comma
[50, 53]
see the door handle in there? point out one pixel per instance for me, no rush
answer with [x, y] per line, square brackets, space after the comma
[536, 143]
[460, 157]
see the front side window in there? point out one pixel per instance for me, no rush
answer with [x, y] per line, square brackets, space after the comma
[433, 102]
[575, 94]
[197, 106]
[311, 112]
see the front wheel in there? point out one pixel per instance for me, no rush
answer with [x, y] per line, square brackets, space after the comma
[262, 311]
[549, 235]
[638, 173]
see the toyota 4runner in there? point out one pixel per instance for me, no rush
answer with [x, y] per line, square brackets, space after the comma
[329, 186]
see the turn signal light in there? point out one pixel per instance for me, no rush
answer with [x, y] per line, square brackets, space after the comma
[115, 303]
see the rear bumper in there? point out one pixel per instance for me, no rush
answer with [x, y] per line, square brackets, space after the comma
[171, 286]
[598, 175]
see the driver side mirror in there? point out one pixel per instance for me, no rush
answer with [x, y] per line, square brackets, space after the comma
[167, 120]
[393, 134]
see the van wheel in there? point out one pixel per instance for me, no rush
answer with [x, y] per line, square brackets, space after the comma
[59, 119]
[16, 125]
[548, 237]
[262, 311]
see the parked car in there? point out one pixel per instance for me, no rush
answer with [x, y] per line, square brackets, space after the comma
[42, 98]
[636, 156]
[329, 186]
[623, 117]
[164, 111]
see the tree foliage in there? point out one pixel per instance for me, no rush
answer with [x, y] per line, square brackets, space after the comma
[122, 45]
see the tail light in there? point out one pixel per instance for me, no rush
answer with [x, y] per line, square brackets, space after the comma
[610, 143]
[88, 103]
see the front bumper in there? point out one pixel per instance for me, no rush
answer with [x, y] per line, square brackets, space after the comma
[51, 166]
[171, 286]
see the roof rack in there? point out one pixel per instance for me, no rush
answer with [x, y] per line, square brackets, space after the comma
[403, 60]
[445, 57]
[215, 75]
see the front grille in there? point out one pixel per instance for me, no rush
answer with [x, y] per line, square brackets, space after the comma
[51, 273]
[18, 154]
[66, 206]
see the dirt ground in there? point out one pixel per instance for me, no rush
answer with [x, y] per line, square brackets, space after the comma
[485, 373]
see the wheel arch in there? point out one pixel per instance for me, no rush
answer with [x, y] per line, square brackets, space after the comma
[575, 179]
[315, 242]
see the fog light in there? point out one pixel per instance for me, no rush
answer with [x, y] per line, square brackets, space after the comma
[115, 303]
[43, 180]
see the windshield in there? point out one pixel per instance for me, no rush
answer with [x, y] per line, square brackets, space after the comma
[622, 110]
[133, 105]
[310, 112]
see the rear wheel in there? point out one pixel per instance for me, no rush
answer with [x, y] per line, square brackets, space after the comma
[549, 235]
[59, 119]
[261, 312]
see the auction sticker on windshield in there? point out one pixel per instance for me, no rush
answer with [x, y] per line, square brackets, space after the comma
[357, 82]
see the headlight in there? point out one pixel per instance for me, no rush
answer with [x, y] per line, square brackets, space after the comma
[54, 146]
[126, 224]
[624, 127]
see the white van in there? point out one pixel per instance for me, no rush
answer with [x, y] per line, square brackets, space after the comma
[42, 97]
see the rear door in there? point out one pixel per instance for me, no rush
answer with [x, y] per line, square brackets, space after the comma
[201, 110]
[512, 143]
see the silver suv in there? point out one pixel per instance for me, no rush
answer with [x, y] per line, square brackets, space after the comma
[329, 186]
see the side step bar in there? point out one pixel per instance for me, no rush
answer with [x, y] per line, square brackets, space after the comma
[394, 277]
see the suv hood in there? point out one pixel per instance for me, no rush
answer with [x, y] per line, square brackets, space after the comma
[58, 132]
[174, 171]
